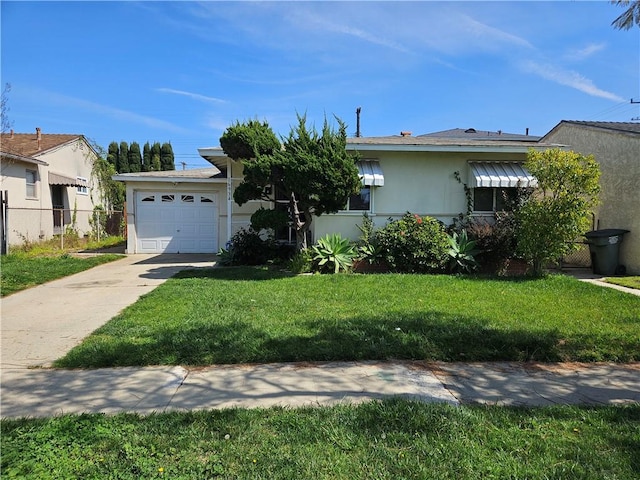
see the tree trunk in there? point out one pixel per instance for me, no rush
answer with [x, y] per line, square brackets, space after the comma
[298, 224]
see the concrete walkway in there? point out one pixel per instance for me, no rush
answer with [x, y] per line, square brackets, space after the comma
[41, 324]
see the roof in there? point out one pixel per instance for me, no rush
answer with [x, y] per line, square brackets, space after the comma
[632, 128]
[457, 139]
[194, 175]
[26, 144]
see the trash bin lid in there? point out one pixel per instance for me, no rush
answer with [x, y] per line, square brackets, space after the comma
[607, 232]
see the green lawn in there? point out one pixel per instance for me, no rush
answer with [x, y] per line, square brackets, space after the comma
[21, 270]
[631, 282]
[393, 439]
[243, 315]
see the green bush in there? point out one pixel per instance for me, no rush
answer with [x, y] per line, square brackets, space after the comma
[414, 244]
[246, 247]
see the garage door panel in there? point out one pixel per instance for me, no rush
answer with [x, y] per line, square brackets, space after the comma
[177, 222]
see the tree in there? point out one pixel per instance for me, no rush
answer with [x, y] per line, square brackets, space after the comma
[629, 17]
[112, 155]
[123, 158]
[155, 157]
[135, 158]
[166, 157]
[146, 157]
[549, 221]
[312, 170]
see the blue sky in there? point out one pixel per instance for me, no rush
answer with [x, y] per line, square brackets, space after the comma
[184, 71]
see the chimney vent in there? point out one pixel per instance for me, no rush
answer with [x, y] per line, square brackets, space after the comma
[38, 137]
[405, 133]
[526, 132]
[358, 110]
[11, 133]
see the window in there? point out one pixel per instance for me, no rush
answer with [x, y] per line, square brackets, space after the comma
[149, 198]
[492, 199]
[187, 198]
[168, 198]
[82, 189]
[360, 201]
[32, 177]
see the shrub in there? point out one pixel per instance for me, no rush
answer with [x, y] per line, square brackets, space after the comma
[414, 244]
[246, 247]
[301, 262]
[496, 241]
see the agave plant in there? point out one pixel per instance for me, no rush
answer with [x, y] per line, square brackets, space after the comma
[462, 252]
[333, 250]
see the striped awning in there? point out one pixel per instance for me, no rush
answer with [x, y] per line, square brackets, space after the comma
[500, 174]
[59, 179]
[370, 173]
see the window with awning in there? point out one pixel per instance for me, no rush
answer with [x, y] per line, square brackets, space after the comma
[370, 173]
[500, 175]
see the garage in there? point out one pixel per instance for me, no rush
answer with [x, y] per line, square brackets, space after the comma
[176, 222]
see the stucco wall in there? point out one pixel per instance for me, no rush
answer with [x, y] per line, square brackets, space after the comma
[618, 155]
[418, 182]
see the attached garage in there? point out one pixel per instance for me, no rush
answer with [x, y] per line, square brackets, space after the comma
[176, 222]
[175, 211]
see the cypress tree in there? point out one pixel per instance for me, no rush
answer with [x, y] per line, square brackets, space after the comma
[123, 158]
[146, 157]
[155, 157]
[135, 158]
[112, 155]
[166, 157]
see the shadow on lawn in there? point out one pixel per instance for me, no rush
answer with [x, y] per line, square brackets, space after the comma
[418, 336]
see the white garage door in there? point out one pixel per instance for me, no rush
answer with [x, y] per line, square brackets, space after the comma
[177, 222]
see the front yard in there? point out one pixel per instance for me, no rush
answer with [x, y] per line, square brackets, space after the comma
[243, 315]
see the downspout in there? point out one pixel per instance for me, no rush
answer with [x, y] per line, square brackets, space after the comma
[229, 200]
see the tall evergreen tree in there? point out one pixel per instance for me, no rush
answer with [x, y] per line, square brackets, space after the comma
[155, 157]
[112, 155]
[123, 158]
[146, 157]
[135, 158]
[166, 157]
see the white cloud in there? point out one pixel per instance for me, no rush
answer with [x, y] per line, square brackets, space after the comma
[568, 78]
[194, 96]
[586, 52]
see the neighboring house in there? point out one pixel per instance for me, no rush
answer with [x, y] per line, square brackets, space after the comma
[616, 148]
[46, 183]
[194, 211]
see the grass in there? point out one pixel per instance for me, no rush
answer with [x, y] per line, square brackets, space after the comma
[23, 270]
[378, 440]
[244, 315]
[631, 282]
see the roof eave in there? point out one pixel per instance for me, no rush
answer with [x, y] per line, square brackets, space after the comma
[123, 177]
[450, 148]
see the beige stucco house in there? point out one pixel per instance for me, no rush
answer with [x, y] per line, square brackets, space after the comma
[616, 148]
[194, 211]
[46, 184]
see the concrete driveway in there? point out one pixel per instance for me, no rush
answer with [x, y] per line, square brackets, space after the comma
[41, 324]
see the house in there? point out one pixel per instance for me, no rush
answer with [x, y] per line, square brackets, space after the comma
[47, 185]
[194, 211]
[616, 148]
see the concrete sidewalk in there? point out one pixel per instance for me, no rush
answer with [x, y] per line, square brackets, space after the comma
[43, 393]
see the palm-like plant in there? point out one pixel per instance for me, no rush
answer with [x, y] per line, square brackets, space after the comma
[333, 250]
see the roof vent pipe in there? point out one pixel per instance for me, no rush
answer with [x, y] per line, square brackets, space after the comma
[38, 137]
[526, 132]
[358, 110]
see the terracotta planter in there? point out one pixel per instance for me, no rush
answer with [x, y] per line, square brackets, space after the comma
[363, 266]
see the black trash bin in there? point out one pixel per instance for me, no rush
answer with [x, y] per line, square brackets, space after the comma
[604, 246]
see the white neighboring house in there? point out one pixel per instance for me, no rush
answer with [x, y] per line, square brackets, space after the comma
[194, 211]
[47, 184]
